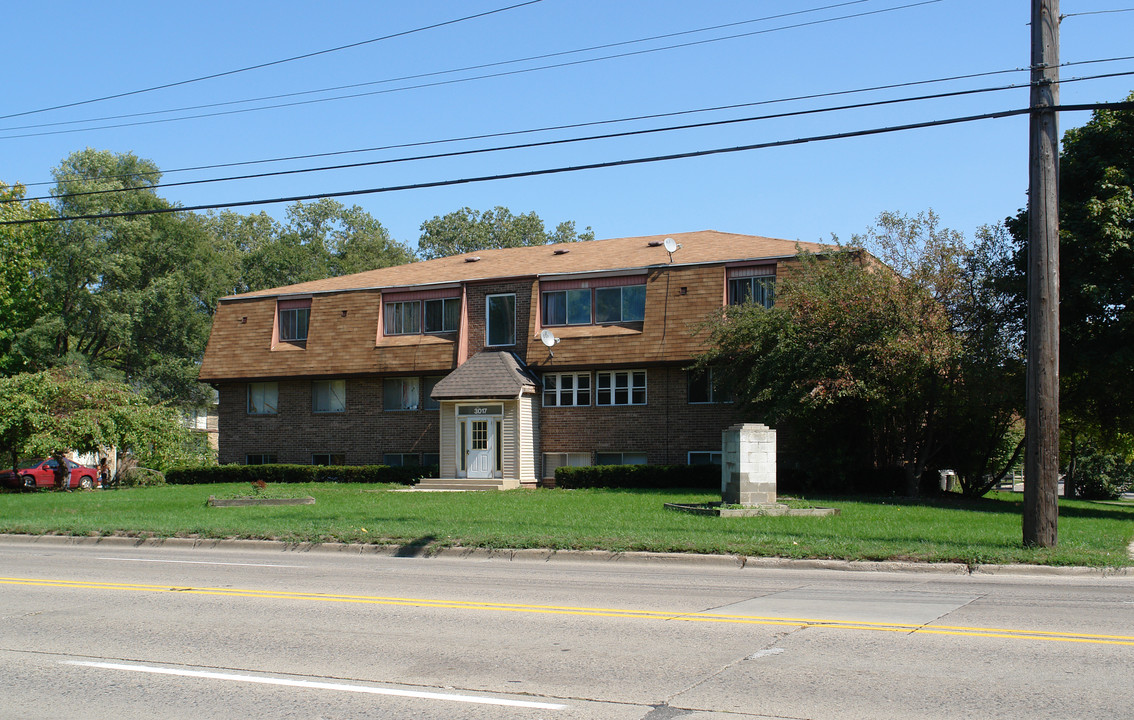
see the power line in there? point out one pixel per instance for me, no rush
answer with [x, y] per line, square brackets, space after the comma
[561, 141]
[1094, 12]
[270, 63]
[438, 72]
[441, 83]
[578, 168]
[525, 146]
[569, 126]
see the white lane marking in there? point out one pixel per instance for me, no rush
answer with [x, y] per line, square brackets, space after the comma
[201, 562]
[765, 653]
[318, 685]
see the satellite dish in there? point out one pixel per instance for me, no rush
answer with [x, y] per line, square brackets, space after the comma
[670, 245]
[548, 338]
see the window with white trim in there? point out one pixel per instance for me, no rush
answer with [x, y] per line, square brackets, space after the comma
[500, 319]
[328, 396]
[263, 398]
[620, 458]
[620, 387]
[551, 461]
[566, 389]
[328, 459]
[705, 388]
[620, 304]
[704, 457]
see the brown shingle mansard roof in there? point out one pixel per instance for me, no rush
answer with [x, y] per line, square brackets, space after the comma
[705, 246]
[488, 374]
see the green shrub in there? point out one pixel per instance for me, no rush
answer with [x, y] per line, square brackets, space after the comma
[140, 477]
[1102, 476]
[299, 474]
[653, 477]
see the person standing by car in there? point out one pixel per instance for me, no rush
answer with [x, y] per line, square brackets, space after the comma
[103, 473]
[61, 479]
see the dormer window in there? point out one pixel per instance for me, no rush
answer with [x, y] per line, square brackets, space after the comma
[294, 317]
[754, 284]
[415, 313]
[597, 301]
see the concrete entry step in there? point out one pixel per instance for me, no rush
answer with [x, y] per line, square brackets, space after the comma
[459, 484]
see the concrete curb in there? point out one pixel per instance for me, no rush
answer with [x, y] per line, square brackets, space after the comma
[593, 556]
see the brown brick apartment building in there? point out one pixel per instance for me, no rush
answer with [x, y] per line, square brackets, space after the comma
[447, 361]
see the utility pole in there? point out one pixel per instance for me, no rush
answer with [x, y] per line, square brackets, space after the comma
[1041, 461]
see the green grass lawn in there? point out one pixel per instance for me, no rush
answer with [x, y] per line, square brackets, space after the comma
[984, 531]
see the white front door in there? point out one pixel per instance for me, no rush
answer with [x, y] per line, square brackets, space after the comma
[481, 447]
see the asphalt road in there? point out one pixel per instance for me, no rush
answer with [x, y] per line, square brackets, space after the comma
[121, 630]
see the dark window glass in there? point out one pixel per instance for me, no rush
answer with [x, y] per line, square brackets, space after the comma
[501, 319]
[442, 315]
[756, 290]
[293, 324]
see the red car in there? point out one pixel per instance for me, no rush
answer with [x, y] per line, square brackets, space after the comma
[40, 473]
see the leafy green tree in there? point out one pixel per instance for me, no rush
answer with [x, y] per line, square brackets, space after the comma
[60, 409]
[318, 240]
[877, 363]
[468, 230]
[1096, 208]
[22, 248]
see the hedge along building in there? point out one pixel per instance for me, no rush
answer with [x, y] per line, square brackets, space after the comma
[500, 364]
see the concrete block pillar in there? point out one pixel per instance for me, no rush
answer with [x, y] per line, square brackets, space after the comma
[748, 464]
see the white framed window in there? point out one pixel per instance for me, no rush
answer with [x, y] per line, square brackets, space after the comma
[263, 398]
[620, 458]
[401, 393]
[328, 396]
[441, 315]
[567, 389]
[567, 307]
[551, 461]
[260, 459]
[704, 457]
[403, 318]
[620, 387]
[705, 388]
[620, 304]
[328, 459]
[500, 320]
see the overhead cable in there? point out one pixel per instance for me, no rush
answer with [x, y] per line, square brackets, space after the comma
[548, 143]
[271, 63]
[450, 71]
[440, 83]
[526, 146]
[575, 168]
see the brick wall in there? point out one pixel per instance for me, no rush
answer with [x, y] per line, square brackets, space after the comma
[666, 428]
[363, 433]
[477, 295]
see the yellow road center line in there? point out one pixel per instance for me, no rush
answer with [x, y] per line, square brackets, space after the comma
[963, 631]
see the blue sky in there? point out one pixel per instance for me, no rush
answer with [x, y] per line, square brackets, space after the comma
[971, 174]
